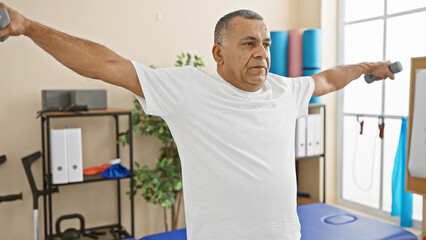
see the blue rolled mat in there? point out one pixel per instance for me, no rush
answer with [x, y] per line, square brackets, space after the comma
[315, 100]
[312, 48]
[279, 50]
[310, 72]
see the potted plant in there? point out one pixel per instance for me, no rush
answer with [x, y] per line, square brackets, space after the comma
[163, 184]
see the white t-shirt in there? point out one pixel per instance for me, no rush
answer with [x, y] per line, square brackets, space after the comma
[236, 150]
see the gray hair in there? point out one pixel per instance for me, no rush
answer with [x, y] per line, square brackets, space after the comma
[223, 26]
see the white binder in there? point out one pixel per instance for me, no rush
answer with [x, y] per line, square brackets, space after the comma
[309, 135]
[318, 137]
[313, 133]
[300, 142]
[74, 155]
[58, 154]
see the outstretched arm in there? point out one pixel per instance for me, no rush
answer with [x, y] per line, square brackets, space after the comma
[82, 56]
[340, 76]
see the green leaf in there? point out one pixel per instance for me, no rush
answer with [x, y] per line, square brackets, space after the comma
[169, 162]
[178, 186]
[149, 128]
[188, 61]
[155, 181]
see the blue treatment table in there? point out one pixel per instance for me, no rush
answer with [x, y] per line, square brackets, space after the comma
[320, 221]
[179, 234]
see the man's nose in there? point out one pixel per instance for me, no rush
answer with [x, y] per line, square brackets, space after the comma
[261, 51]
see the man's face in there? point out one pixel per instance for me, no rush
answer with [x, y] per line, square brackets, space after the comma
[245, 56]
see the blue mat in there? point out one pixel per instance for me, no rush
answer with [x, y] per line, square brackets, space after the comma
[312, 49]
[279, 51]
[320, 221]
[310, 72]
[179, 234]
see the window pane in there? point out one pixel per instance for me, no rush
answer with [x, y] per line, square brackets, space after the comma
[391, 140]
[360, 97]
[361, 162]
[363, 42]
[395, 6]
[360, 9]
[403, 43]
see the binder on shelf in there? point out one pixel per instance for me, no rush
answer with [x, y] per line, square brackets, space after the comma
[314, 139]
[66, 155]
[301, 137]
[58, 151]
[74, 155]
[310, 135]
[318, 135]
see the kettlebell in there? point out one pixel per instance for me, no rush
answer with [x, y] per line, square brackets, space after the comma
[71, 233]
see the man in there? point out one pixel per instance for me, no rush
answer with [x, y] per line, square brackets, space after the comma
[234, 129]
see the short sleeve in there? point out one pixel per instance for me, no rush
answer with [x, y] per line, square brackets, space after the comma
[303, 88]
[162, 88]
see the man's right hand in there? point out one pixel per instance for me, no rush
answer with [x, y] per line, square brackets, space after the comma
[18, 24]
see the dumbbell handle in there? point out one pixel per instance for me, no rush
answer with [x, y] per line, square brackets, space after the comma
[395, 67]
[4, 22]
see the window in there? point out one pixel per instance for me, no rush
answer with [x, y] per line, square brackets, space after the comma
[376, 30]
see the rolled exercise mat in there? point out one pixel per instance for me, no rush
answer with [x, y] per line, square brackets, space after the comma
[312, 48]
[279, 52]
[310, 72]
[295, 52]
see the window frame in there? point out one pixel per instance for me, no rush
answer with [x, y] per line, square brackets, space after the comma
[378, 212]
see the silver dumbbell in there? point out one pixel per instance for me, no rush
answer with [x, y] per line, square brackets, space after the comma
[4, 22]
[395, 67]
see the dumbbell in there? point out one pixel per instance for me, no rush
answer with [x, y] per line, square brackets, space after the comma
[395, 67]
[4, 22]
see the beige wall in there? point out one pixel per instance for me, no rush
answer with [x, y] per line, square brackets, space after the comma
[131, 29]
[329, 60]
[321, 14]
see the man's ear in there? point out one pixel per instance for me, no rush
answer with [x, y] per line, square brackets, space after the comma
[217, 52]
